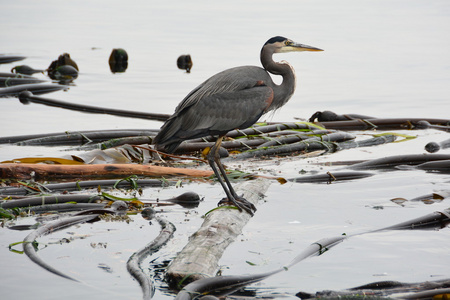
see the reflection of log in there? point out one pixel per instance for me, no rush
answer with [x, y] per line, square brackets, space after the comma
[46, 172]
[200, 257]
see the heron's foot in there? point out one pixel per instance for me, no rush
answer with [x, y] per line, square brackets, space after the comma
[241, 203]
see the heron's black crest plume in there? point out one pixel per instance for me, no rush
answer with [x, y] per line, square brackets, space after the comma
[275, 39]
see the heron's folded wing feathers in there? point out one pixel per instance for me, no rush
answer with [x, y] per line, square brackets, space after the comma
[222, 112]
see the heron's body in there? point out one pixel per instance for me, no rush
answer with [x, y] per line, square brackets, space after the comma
[232, 99]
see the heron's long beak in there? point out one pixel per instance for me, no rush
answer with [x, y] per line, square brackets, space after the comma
[299, 47]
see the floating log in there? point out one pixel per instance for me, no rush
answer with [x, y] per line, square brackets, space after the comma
[200, 257]
[47, 172]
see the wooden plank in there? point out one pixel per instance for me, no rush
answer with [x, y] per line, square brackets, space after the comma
[200, 257]
[49, 172]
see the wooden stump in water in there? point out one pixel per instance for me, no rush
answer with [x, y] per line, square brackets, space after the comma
[200, 257]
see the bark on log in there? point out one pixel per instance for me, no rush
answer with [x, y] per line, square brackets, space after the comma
[48, 172]
[200, 257]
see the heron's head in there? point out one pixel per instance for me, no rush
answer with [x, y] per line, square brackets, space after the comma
[281, 44]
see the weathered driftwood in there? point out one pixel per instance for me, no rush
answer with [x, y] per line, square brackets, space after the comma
[45, 171]
[200, 257]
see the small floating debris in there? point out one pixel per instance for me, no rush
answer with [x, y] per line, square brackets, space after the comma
[433, 147]
[118, 60]
[63, 60]
[329, 116]
[63, 69]
[184, 62]
[64, 73]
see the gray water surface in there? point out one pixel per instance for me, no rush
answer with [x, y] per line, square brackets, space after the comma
[382, 58]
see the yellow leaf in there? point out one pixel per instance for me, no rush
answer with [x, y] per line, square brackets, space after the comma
[43, 160]
[205, 152]
[281, 180]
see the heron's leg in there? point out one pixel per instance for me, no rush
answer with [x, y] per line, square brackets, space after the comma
[214, 160]
[215, 151]
[242, 202]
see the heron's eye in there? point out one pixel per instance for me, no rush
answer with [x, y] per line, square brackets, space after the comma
[288, 42]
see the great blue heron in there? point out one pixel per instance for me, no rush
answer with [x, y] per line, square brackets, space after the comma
[232, 99]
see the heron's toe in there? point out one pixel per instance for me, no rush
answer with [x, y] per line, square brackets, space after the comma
[241, 203]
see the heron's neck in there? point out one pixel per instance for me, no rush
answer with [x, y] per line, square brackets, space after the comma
[284, 91]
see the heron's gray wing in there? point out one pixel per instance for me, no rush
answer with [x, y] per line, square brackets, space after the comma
[222, 112]
[231, 80]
